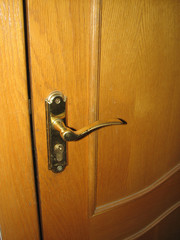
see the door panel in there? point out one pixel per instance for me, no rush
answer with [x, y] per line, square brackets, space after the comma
[18, 206]
[139, 80]
[111, 59]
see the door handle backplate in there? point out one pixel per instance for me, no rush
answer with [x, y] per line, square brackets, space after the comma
[55, 105]
[58, 133]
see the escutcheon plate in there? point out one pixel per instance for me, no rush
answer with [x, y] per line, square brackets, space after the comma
[55, 105]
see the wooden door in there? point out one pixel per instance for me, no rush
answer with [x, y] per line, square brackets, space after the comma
[18, 204]
[111, 59]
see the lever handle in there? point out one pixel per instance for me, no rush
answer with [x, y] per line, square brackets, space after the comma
[68, 134]
[58, 134]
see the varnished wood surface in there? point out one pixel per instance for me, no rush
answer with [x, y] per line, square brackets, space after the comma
[94, 76]
[130, 219]
[123, 65]
[18, 210]
[135, 196]
[140, 82]
[167, 229]
[59, 60]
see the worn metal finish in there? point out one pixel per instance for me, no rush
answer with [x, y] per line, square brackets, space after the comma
[58, 133]
[68, 134]
[55, 107]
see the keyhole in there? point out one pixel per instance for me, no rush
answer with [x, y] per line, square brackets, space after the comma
[59, 152]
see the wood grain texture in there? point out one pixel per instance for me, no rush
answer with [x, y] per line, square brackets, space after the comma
[140, 82]
[136, 79]
[94, 80]
[18, 208]
[128, 220]
[59, 60]
[115, 204]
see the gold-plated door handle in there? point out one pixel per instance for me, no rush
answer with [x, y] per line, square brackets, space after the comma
[58, 133]
[68, 134]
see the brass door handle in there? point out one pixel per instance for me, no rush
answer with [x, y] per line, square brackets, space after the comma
[58, 133]
[68, 134]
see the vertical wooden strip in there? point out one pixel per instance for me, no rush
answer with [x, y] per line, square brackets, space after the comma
[58, 37]
[94, 81]
[18, 207]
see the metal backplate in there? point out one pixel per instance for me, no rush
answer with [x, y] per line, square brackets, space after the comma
[55, 107]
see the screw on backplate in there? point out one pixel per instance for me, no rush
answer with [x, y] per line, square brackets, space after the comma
[59, 168]
[57, 100]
